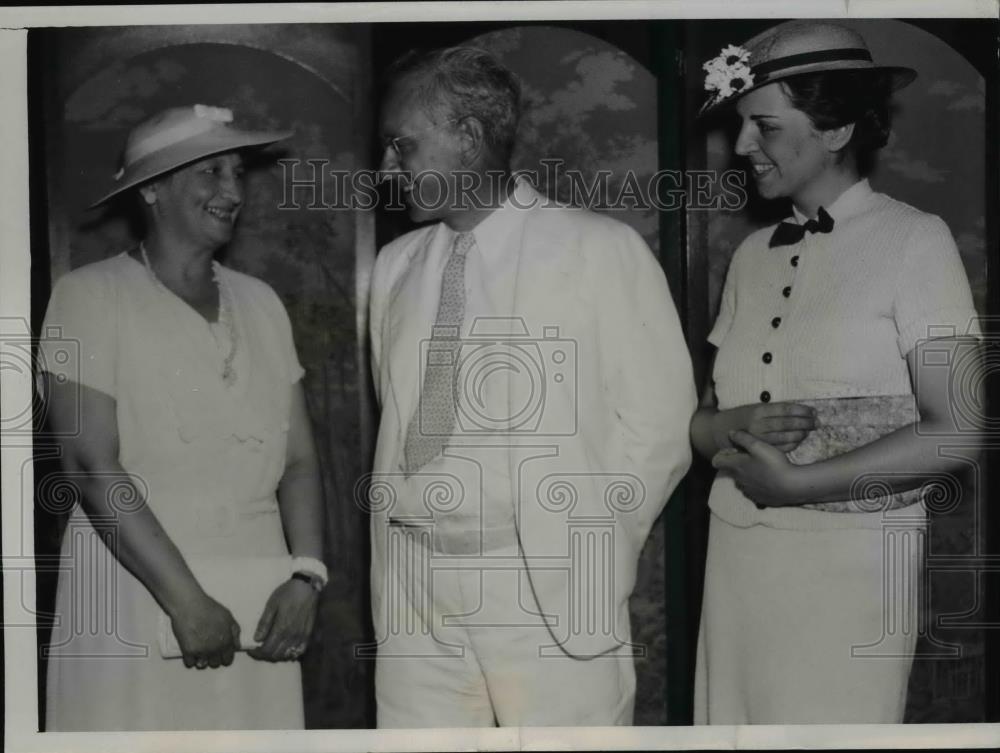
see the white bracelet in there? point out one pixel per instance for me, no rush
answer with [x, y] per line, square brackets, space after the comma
[311, 566]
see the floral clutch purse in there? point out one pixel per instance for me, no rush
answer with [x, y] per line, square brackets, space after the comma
[846, 423]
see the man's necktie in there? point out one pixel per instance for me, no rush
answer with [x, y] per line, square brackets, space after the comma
[434, 420]
[788, 233]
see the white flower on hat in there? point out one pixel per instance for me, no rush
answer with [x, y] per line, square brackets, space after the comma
[735, 51]
[218, 114]
[729, 73]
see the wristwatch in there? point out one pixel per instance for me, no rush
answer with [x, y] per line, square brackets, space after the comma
[311, 571]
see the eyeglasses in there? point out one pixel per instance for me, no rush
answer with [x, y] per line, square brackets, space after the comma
[397, 142]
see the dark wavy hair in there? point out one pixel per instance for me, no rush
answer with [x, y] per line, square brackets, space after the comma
[833, 99]
[468, 81]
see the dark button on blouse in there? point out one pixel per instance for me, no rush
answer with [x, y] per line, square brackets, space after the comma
[795, 261]
[765, 396]
[787, 291]
[776, 321]
[766, 358]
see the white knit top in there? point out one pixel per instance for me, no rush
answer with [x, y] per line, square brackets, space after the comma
[834, 316]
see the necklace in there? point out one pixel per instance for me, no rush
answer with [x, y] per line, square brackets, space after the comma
[226, 320]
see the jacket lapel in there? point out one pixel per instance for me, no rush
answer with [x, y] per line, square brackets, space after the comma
[411, 315]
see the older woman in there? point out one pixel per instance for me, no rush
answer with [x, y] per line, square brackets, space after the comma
[200, 498]
[854, 308]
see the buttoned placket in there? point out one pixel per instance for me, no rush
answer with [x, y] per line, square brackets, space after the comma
[793, 256]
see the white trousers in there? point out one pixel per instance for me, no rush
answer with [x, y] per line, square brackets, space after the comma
[461, 647]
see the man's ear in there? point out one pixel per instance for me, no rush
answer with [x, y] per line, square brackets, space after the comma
[148, 193]
[473, 140]
[836, 139]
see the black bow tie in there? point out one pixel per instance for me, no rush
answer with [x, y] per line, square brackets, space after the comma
[788, 233]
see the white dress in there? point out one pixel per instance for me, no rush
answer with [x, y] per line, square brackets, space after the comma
[811, 616]
[208, 456]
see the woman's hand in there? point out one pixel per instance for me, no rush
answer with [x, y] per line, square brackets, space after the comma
[782, 425]
[206, 633]
[761, 472]
[287, 622]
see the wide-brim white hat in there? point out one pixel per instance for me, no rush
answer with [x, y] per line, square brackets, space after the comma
[177, 137]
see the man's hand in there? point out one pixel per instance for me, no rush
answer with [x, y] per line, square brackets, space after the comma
[781, 425]
[206, 632]
[761, 471]
[287, 622]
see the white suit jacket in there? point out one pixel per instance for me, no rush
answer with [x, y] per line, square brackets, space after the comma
[610, 441]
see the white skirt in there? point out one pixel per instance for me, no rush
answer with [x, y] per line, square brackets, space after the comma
[808, 627]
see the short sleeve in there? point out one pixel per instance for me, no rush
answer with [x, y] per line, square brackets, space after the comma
[79, 339]
[727, 306]
[932, 298]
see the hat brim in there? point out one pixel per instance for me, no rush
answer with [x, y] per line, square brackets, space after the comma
[202, 146]
[899, 77]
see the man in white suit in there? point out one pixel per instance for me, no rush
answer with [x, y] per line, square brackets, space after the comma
[536, 392]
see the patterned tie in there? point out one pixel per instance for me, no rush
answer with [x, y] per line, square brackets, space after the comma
[434, 420]
[788, 233]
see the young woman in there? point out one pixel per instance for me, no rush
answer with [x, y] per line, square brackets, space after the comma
[809, 614]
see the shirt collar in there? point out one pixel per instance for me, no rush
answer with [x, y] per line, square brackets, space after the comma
[492, 233]
[849, 203]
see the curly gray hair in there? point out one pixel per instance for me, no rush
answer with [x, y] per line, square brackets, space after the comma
[470, 82]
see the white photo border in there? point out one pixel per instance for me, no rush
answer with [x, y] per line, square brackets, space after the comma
[20, 647]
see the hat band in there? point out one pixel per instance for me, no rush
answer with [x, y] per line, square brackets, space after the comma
[766, 69]
[168, 137]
